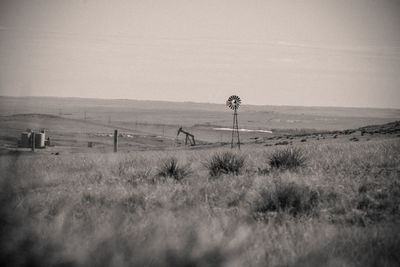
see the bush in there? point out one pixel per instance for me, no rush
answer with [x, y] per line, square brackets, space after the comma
[288, 197]
[287, 159]
[225, 163]
[379, 202]
[170, 168]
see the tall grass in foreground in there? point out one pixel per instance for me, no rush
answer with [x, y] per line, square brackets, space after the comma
[341, 209]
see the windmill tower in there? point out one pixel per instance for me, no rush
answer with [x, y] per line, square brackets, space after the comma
[233, 103]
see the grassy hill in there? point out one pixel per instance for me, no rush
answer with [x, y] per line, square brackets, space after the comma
[339, 208]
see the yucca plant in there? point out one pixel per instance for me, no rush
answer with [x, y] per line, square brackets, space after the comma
[292, 198]
[225, 163]
[287, 159]
[170, 168]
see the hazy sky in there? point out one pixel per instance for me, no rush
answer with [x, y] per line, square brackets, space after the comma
[312, 52]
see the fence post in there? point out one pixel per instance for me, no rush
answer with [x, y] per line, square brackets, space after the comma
[115, 140]
[33, 141]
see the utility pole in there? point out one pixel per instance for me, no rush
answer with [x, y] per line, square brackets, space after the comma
[115, 140]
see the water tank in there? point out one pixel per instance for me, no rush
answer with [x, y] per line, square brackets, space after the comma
[39, 140]
[25, 139]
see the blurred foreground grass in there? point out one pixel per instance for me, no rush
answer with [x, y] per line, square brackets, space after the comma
[340, 209]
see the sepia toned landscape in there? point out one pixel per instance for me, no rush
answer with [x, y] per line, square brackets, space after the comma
[201, 133]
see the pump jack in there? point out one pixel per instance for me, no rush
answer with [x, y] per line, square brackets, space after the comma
[189, 137]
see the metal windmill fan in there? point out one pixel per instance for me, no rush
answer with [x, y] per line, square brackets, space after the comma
[234, 102]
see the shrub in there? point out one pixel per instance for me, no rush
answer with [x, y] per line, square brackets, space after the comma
[288, 197]
[287, 159]
[379, 201]
[170, 168]
[225, 163]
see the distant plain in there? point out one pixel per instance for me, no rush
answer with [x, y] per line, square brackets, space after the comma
[72, 122]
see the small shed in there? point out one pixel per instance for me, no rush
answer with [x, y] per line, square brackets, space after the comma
[39, 140]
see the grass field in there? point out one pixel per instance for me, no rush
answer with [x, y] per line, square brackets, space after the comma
[339, 208]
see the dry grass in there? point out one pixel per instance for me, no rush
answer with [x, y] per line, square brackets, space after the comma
[341, 209]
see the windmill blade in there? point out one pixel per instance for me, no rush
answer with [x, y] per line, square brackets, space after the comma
[233, 102]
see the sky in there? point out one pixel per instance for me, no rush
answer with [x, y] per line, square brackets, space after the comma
[303, 53]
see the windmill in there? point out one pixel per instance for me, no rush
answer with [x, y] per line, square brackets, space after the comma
[233, 103]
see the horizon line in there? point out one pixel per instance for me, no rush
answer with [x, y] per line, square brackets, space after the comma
[209, 103]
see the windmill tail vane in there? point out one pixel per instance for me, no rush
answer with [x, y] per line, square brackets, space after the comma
[233, 103]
